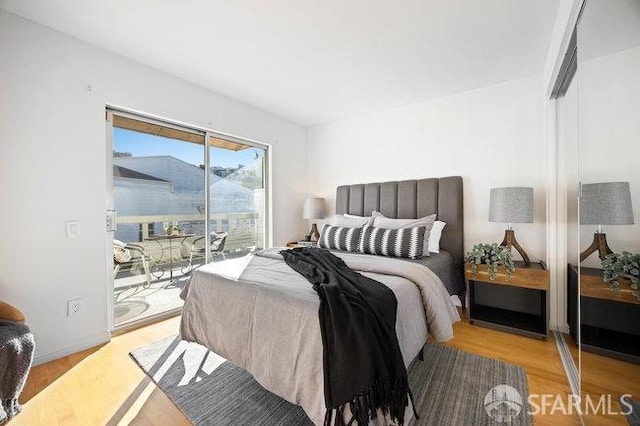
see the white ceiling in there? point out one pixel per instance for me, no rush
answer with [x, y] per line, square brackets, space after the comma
[314, 61]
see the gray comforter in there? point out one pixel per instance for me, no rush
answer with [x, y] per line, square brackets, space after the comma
[262, 316]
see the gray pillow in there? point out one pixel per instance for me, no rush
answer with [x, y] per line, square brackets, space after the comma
[381, 221]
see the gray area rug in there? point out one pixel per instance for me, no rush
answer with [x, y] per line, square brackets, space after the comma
[450, 387]
[634, 416]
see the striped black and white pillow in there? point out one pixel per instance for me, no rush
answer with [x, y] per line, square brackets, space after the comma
[406, 242]
[340, 238]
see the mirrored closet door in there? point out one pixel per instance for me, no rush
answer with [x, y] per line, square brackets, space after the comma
[602, 282]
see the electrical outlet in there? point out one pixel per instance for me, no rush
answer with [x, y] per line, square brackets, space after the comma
[73, 229]
[73, 307]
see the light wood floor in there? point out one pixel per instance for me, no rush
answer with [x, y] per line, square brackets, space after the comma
[104, 386]
[604, 376]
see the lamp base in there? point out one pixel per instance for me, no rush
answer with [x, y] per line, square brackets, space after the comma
[510, 241]
[313, 233]
[599, 244]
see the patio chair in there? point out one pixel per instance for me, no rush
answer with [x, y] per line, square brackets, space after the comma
[131, 256]
[197, 249]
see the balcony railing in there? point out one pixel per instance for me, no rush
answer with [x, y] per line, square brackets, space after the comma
[245, 233]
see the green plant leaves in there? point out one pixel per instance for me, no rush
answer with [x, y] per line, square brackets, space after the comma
[492, 255]
[617, 266]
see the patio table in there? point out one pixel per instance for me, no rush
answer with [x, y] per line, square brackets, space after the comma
[170, 238]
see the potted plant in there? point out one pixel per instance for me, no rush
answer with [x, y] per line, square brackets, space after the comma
[492, 255]
[617, 266]
[174, 229]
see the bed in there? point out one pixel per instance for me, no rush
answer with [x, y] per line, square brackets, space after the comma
[411, 199]
[262, 316]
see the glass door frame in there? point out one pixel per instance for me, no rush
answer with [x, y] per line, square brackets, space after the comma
[110, 202]
[266, 176]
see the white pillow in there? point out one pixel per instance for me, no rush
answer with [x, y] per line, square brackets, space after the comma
[355, 216]
[435, 235]
[381, 221]
[349, 221]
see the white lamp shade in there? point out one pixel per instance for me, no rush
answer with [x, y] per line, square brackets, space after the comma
[313, 208]
[606, 203]
[511, 205]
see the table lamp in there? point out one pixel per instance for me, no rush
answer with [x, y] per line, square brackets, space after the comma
[512, 205]
[604, 203]
[313, 208]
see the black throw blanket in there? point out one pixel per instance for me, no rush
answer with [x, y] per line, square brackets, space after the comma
[363, 365]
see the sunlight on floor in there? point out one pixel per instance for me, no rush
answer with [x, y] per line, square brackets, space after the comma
[135, 302]
[98, 386]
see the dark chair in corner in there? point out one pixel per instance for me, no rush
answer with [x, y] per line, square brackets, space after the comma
[131, 256]
[16, 355]
[197, 248]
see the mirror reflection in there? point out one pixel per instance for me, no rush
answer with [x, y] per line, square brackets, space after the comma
[608, 93]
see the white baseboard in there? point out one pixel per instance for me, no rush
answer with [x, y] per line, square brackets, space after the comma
[86, 343]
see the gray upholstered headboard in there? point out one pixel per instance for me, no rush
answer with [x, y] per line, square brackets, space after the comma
[411, 199]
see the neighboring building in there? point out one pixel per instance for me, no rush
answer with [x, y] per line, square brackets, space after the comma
[165, 188]
[185, 177]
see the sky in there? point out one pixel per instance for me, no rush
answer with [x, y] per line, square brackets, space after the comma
[142, 144]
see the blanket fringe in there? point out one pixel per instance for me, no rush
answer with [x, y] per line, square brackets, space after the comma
[390, 398]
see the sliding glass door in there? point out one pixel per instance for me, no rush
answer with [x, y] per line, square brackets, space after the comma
[237, 193]
[180, 203]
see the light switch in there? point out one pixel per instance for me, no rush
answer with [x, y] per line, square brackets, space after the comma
[73, 229]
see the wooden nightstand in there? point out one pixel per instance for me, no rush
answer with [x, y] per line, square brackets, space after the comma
[609, 320]
[518, 305]
[294, 244]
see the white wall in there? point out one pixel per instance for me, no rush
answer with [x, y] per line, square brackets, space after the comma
[53, 169]
[558, 233]
[492, 136]
[567, 183]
